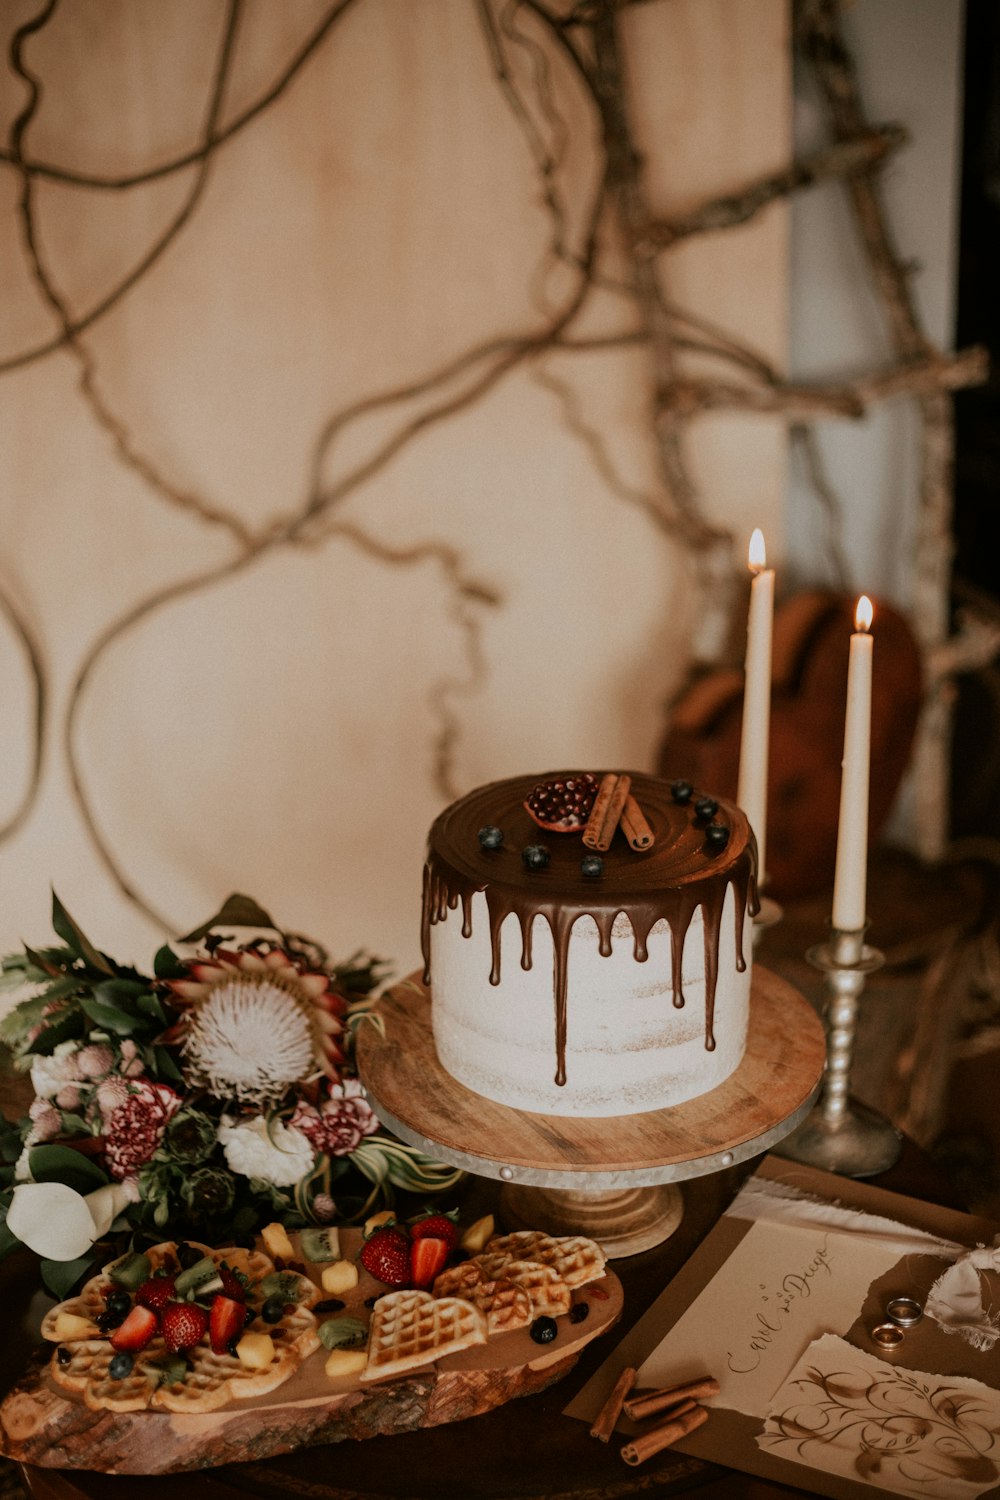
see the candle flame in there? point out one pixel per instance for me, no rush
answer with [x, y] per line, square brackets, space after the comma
[863, 614]
[757, 553]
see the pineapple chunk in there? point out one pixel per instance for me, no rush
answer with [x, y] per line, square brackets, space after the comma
[475, 1237]
[339, 1277]
[255, 1351]
[276, 1242]
[345, 1362]
[70, 1326]
[372, 1223]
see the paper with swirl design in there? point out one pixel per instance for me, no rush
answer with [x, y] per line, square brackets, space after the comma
[903, 1431]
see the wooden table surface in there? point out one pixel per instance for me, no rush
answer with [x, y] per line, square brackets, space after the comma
[522, 1451]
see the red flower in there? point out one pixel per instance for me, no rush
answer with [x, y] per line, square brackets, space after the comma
[135, 1128]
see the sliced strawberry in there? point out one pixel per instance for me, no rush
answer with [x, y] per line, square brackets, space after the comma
[155, 1292]
[232, 1286]
[183, 1324]
[386, 1255]
[427, 1259]
[226, 1321]
[438, 1227]
[136, 1331]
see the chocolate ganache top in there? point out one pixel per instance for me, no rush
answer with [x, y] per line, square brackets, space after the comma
[681, 871]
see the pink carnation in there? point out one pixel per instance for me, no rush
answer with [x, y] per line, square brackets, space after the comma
[132, 1064]
[340, 1123]
[135, 1128]
[68, 1096]
[111, 1092]
[46, 1121]
[94, 1061]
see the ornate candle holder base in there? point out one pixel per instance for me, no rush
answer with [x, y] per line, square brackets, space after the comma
[840, 1134]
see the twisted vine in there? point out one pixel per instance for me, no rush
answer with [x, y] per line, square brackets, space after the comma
[522, 40]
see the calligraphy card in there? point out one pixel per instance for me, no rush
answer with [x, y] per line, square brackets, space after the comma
[756, 1301]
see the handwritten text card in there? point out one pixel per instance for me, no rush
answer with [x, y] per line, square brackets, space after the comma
[784, 1286]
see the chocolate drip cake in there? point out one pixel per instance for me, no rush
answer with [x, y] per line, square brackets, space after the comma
[588, 954]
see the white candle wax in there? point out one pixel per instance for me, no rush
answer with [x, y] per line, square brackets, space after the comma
[850, 884]
[754, 737]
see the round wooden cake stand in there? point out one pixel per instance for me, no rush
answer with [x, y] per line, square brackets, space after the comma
[612, 1178]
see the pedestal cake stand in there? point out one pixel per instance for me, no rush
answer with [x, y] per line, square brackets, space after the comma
[612, 1178]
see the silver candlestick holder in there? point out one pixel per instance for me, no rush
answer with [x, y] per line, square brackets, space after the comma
[840, 1134]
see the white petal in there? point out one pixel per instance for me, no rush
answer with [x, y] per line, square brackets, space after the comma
[314, 985]
[51, 1219]
[105, 1204]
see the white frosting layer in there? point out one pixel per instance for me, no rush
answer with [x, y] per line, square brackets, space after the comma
[628, 1049]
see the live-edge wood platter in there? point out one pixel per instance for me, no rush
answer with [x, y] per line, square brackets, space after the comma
[44, 1425]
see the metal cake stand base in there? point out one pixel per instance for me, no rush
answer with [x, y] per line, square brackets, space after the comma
[612, 1178]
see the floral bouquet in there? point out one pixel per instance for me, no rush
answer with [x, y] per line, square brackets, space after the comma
[204, 1100]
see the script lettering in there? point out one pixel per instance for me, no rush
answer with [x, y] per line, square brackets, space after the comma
[770, 1321]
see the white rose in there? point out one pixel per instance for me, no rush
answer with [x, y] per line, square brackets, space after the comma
[273, 1152]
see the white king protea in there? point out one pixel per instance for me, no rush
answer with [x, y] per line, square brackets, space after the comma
[256, 1022]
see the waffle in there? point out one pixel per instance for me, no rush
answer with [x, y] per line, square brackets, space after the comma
[576, 1259]
[86, 1374]
[410, 1329]
[505, 1305]
[213, 1380]
[89, 1301]
[548, 1294]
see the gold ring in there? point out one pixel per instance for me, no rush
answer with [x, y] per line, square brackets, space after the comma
[887, 1335]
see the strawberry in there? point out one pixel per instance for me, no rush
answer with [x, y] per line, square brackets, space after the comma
[182, 1325]
[386, 1255]
[232, 1286]
[427, 1259]
[226, 1321]
[155, 1292]
[136, 1331]
[439, 1227]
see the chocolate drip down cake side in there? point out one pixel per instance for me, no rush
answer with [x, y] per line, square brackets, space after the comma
[587, 941]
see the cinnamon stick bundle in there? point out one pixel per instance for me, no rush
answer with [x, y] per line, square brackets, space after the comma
[607, 1417]
[663, 1436]
[652, 1402]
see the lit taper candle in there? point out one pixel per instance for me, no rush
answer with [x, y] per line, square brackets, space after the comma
[850, 883]
[752, 792]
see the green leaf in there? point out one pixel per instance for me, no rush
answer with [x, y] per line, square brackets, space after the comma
[149, 1005]
[118, 991]
[77, 939]
[166, 1068]
[237, 911]
[8, 1241]
[64, 1028]
[63, 1164]
[108, 1017]
[166, 964]
[61, 1276]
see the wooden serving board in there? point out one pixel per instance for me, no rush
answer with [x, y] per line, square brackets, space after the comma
[42, 1424]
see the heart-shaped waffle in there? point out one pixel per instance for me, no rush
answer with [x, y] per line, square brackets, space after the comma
[90, 1300]
[411, 1328]
[577, 1260]
[505, 1305]
[548, 1294]
[211, 1380]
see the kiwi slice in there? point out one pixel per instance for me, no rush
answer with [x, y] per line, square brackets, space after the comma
[196, 1279]
[319, 1243]
[283, 1284]
[342, 1333]
[131, 1270]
